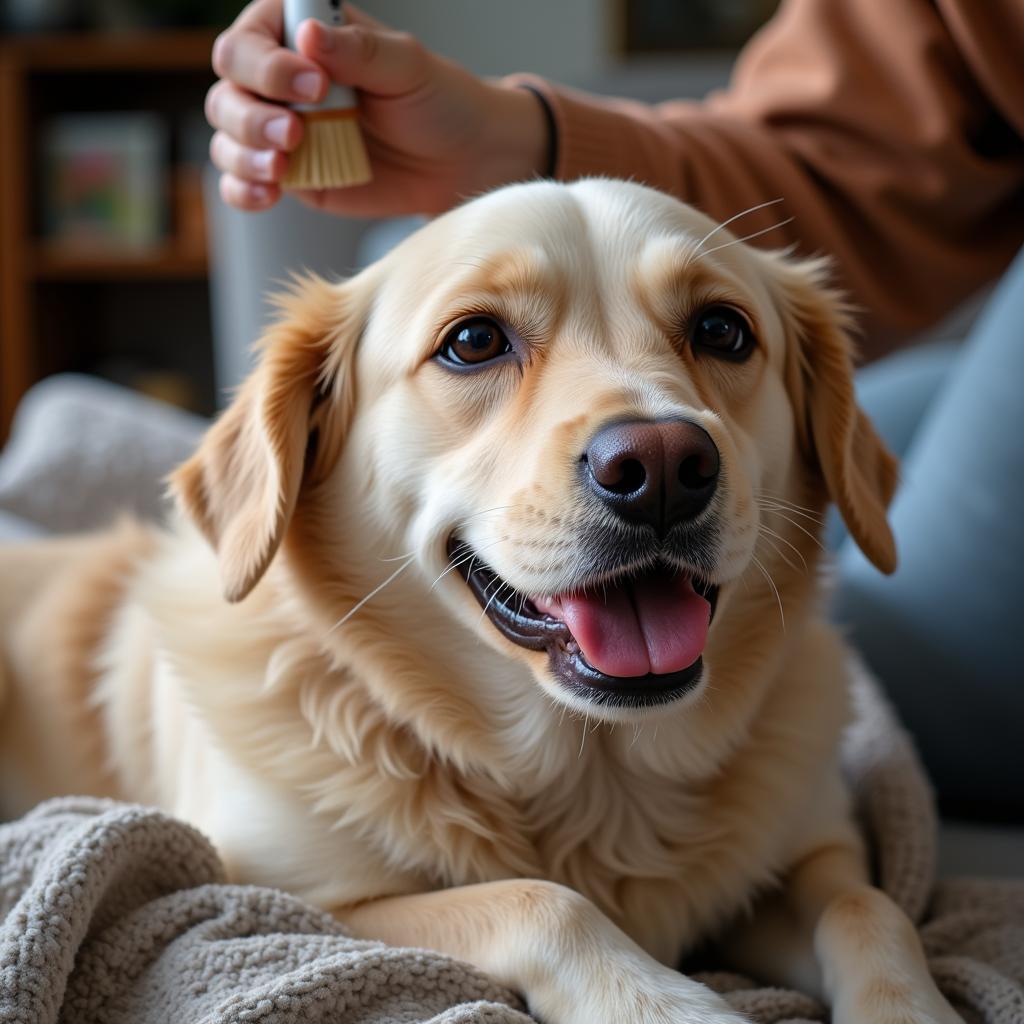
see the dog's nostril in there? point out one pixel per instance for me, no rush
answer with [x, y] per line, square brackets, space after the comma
[658, 472]
[696, 472]
[631, 477]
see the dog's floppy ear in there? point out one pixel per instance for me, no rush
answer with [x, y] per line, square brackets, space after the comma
[859, 471]
[241, 485]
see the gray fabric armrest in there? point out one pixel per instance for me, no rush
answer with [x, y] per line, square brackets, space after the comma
[83, 451]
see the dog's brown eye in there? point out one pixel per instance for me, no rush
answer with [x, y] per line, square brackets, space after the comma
[723, 332]
[474, 341]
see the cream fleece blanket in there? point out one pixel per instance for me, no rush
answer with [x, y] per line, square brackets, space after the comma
[114, 914]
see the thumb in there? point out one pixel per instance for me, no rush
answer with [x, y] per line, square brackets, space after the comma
[373, 59]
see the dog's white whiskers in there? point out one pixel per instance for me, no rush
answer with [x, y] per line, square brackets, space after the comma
[583, 738]
[799, 526]
[397, 558]
[704, 697]
[735, 217]
[637, 730]
[774, 506]
[778, 536]
[452, 565]
[745, 238]
[501, 586]
[771, 583]
[776, 550]
[497, 584]
[373, 593]
[468, 556]
[778, 499]
[795, 525]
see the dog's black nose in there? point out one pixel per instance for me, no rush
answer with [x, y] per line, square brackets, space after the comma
[660, 472]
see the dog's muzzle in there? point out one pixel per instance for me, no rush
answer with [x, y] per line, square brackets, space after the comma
[629, 641]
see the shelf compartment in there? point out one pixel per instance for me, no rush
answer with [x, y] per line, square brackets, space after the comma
[62, 262]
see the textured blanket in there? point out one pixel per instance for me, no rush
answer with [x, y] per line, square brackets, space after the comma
[115, 914]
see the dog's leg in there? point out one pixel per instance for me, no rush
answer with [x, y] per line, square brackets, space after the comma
[570, 963]
[832, 932]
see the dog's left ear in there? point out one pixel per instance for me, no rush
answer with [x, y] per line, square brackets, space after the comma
[286, 424]
[859, 471]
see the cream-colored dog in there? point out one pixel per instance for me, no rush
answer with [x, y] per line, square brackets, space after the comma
[491, 622]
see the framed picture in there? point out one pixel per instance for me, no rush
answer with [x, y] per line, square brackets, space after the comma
[660, 26]
[105, 181]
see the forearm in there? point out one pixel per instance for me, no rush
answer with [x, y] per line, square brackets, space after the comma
[864, 123]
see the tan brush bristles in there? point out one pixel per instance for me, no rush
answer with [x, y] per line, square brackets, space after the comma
[331, 154]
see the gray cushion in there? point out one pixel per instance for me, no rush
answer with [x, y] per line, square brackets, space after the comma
[83, 451]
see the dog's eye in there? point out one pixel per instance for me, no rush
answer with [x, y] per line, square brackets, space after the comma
[474, 341]
[722, 331]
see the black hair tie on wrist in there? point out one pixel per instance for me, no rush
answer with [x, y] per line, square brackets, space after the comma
[549, 117]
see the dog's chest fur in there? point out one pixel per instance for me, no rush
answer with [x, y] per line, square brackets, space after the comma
[668, 859]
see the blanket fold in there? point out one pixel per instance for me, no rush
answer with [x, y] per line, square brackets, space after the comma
[116, 914]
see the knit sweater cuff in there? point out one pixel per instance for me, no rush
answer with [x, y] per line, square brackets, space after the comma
[584, 142]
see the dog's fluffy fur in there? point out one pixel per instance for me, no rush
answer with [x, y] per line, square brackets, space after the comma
[399, 761]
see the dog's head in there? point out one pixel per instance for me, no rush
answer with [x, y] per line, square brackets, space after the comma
[582, 422]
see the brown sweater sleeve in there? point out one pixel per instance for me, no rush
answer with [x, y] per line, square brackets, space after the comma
[892, 129]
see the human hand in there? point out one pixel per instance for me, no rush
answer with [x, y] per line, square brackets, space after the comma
[434, 132]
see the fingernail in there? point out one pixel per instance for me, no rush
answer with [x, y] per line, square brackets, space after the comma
[262, 164]
[276, 132]
[260, 193]
[307, 84]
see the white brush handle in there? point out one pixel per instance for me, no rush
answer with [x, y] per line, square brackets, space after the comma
[339, 97]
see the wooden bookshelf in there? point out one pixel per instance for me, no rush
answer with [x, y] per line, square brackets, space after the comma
[48, 290]
[173, 51]
[62, 263]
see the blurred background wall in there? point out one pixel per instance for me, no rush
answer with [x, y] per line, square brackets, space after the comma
[116, 255]
[569, 39]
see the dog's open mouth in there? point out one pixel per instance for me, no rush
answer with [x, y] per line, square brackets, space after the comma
[630, 641]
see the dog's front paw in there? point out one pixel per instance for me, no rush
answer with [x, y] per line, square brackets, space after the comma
[668, 998]
[872, 953]
[886, 1001]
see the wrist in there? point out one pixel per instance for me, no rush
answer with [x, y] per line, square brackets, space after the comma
[521, 133]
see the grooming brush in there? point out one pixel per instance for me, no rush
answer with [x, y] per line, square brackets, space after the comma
[331, 154]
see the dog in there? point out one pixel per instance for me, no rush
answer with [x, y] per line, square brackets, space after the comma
[490, 619]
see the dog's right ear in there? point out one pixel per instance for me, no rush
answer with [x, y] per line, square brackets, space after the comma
[241, 485]
[836, 435]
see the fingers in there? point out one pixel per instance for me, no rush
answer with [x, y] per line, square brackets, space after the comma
[251, 133]
[254, 165]
[251, 121]
[250, 54]
[247, 195]
[263, 15]
[372, 59]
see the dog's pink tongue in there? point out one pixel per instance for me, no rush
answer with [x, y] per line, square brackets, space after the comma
[657, 623]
